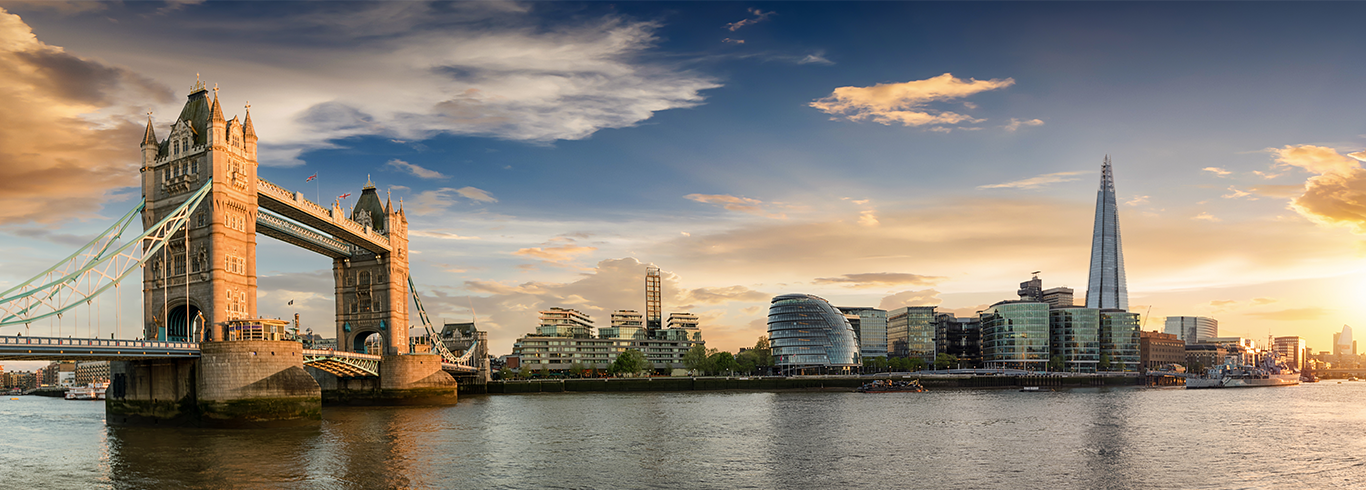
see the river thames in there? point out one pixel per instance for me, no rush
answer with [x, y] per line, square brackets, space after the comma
[1309, 436]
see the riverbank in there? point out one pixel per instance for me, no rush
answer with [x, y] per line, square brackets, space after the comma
[810, 383]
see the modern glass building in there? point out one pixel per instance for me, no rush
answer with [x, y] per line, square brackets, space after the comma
[1119, 339]
[872, 330]
[910, 333]
[1015, 335]
[1074, 336]
[959, 337]
[1192, 329]
[1107, 287]
[809, 334]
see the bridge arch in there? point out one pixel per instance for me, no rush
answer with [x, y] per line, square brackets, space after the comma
[368, 342]
[182, 323]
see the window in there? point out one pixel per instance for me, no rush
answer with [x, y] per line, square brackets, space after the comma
[175, 147]
[178, 261]
[194, 166]
[235, 220]
[235, 264]
[237, 304]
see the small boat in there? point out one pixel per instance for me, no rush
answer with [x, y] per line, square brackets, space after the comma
[1033, 389]
[889, 386]
[92, 392]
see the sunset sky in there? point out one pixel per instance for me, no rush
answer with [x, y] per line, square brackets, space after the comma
[875, 154]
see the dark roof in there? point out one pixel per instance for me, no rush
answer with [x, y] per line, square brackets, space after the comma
[150, 137]
[196, 111]
[369, 203]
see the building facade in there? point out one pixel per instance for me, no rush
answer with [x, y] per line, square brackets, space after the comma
[1156, 350]
[1192, 329]
[911, 332]
[872, 330]
[626, 324]
[1107, 287]
[1119, 340]
[565, 322]
[960, 337]
[559, 353]
[1015, 335]
[654, 304]
[1291, 349]
[808, 334]
[1074, 336]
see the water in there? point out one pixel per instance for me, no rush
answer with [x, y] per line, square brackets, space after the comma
[1310, 436]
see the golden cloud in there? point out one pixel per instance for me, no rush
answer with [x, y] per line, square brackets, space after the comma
[562, 253]
[904, 103]
[1335, 197]
[66, 144]
[881, 279]
[735, 203]
[924, 297]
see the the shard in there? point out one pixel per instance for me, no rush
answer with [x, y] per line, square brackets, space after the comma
[1107, 288]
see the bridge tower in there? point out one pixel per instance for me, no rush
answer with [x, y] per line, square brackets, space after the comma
[216, 274]
[372, 288]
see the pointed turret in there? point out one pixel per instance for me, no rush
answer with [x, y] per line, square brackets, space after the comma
[389, 202]
[217, 110]
[247, 128]
[219, 126]
[150, 137]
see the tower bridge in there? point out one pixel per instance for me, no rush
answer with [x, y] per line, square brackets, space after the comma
[202, 208]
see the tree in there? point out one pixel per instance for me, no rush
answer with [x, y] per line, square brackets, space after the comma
[696, 358]
[747, 361]
[630, 362]
[944, 361]
[915, 364]
[1104, 364]
[1057, 364]
[545, 370]
[505, 372]
[722, 362]
[575, 370]
[763, 352]
[524, 372]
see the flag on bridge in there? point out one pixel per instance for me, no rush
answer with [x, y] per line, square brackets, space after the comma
[344, 196]
[311, 177]
[291, 301]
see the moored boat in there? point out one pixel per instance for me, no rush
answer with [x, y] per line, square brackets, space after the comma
[91, 392]
[1268, 370]
[889, 386]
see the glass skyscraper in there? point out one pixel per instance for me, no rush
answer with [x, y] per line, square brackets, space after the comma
[1075, 337]
[910, 333]
[1015, 335]
[872, 330]
[1119, 339]
[1107, 287]
[807, 332]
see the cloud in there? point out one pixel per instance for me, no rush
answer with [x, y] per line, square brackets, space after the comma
[1282, 191]
[1203, 216]
[1234, 193]
[718, 295]
[1016, 123]
[403, 166]
[436, 201]
[1222, 302]
[924, 297]
[1217, 171]
[904, 103]
[815, 58]
[733, 203]
[1360, 155]
[759, 16]
[1266, 175]
[1036, 181]
[556, 254]
[1263, 301]
[1334, 197]
[440, 234]
[1137, 200]
[881, 279]
[68, 137]
[733, 41]
[1291, 314]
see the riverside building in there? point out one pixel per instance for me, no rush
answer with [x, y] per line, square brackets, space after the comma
[1291, 350]
[808, 335]
[1015, 335]
[871, 329]
[960, 337]
[1192, 329]
[911, 332]
[1156, 350]
[1074, 336]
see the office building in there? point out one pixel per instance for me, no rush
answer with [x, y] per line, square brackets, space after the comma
[1192, 329]
[1015, 335]
[1119, 340]
[872, 330]
[911, 332]
[1107, 288]
[559, 353]
[960, 337]
[1291, 350]
[1074, 336]
[88, 372]
[1157, 350]
[1343, 344]
[1060, 297]
[807, 334]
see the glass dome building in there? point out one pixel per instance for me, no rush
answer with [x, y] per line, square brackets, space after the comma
[807, 333]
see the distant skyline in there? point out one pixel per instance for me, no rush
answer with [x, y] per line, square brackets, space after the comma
[874, 154]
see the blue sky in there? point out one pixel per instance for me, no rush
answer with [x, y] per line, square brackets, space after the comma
[546, 151]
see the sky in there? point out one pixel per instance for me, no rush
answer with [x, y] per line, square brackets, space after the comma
[875, 154]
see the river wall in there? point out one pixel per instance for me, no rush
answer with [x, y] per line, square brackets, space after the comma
[799, 383]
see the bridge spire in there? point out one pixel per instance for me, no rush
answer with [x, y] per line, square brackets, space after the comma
[248, 130]
[150, 137]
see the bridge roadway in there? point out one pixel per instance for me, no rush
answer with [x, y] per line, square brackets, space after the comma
[20, 348]
[333, 222]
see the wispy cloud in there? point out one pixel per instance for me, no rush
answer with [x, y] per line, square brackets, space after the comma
[815, 58]
[758, 16]
[1217, 171]
[924, 297]
[475, 194]
[403, 166]
[1036, 181]
[881, 279]
[1234, 193]
[1016, 123]
[735, 203]
[1203, 216]
[733, 41]
[440, 234]
[1137, 200]
[905, 103]
[555, 254]
[435, 201]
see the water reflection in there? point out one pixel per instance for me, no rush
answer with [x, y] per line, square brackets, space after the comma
[141, 457]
